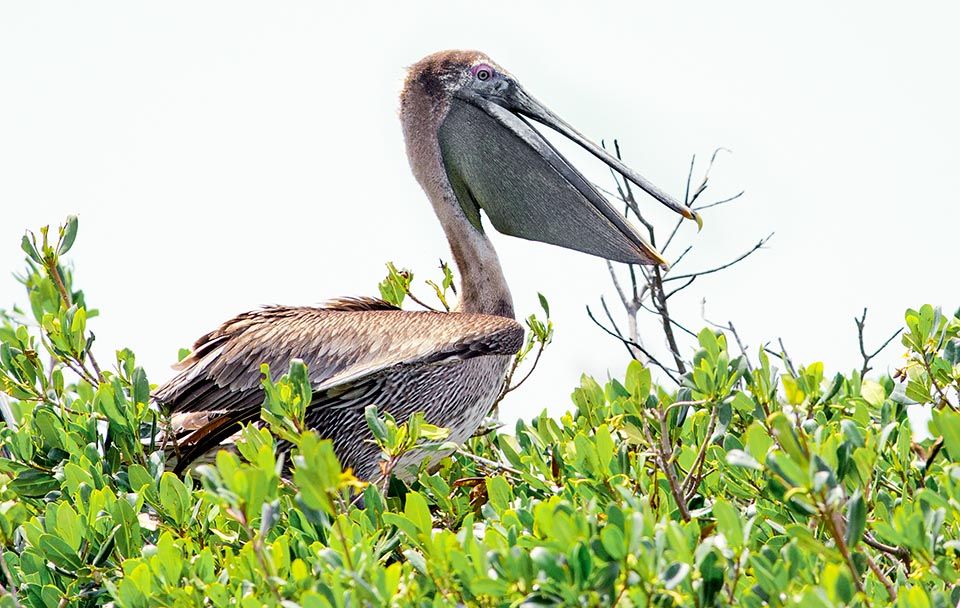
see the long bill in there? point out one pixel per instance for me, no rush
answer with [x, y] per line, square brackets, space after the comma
[530, 107]
[496, 161]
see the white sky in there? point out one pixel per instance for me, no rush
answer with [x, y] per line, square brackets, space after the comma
[226, 155]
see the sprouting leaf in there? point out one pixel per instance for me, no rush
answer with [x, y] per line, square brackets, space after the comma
[544, 304]
[30, 248]
[69, 235]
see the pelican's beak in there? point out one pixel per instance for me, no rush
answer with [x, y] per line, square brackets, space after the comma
[497, 162]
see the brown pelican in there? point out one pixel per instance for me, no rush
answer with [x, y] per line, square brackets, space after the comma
[471, 147]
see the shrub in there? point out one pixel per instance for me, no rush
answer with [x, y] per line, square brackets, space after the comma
[748, 485]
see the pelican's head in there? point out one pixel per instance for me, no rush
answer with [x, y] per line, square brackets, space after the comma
[465, 122]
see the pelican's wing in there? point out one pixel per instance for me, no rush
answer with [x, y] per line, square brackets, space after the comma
[346, 343]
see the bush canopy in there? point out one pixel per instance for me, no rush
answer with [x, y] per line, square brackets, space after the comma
[754, 483]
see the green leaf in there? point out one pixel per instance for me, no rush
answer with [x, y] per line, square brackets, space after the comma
[856, 519]
[786, 435]
[33, 483]
[739, 458]
[141, 386]
[30, 249]
[638, 380]
[499, 493]
[947, 424]
[728, 521]
[69, 235]
[613, 542]
[418, 512]
[59, 552]
[544, 304]
[674, 574]
[175, 498]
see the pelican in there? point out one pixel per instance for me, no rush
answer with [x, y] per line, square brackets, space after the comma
[467, 126]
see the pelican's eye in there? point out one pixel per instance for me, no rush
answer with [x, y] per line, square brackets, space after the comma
[482, 72]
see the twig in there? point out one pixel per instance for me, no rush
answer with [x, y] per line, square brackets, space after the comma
[722, 202]
[729, 327]
[674, 322]
[835, 526]
[422, 303]
[693, 478]
[509, 386]
[630, 343]
[681, 288]
[9, 576]
[493, 465]
[660, 303]
[54, 271]
[666, 464]
[631, 305]
[861, 322]
[742, 256]
[900, 553]
[786, 358]
[891, 590]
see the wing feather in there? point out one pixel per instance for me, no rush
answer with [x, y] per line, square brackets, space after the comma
[338, 345]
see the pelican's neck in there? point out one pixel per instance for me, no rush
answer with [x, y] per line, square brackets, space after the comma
[483, 288]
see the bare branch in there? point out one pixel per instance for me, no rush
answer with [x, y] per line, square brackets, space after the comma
[681, 256]
[722, 202]
[674, 322]
[729, 327]
[682, 287]
[739, 258]
[861, 322]
[785, 357]
[660, 303]
[630, 343]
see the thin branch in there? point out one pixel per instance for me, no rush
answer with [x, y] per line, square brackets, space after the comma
[681, 256]
[422, 303]
[54, 271]
[900, 553]
[630, 343]
[672, 321]
[836, 528]
[673, 233]
[887, 583]
[660, 302]
[739, 258]
[694, 477]
[681, 288]
[533, 366]
[723, 202]
[666, 464]
[729, 327]
[784, 357]
[492, 465]
[861, 322]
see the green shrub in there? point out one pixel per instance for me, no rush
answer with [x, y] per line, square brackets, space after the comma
[747, 486]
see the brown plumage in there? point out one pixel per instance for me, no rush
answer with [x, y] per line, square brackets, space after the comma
[471, 147]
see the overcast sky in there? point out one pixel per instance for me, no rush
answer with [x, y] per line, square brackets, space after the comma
[227, 155]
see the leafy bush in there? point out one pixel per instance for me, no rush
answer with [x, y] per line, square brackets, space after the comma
[748, 485]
